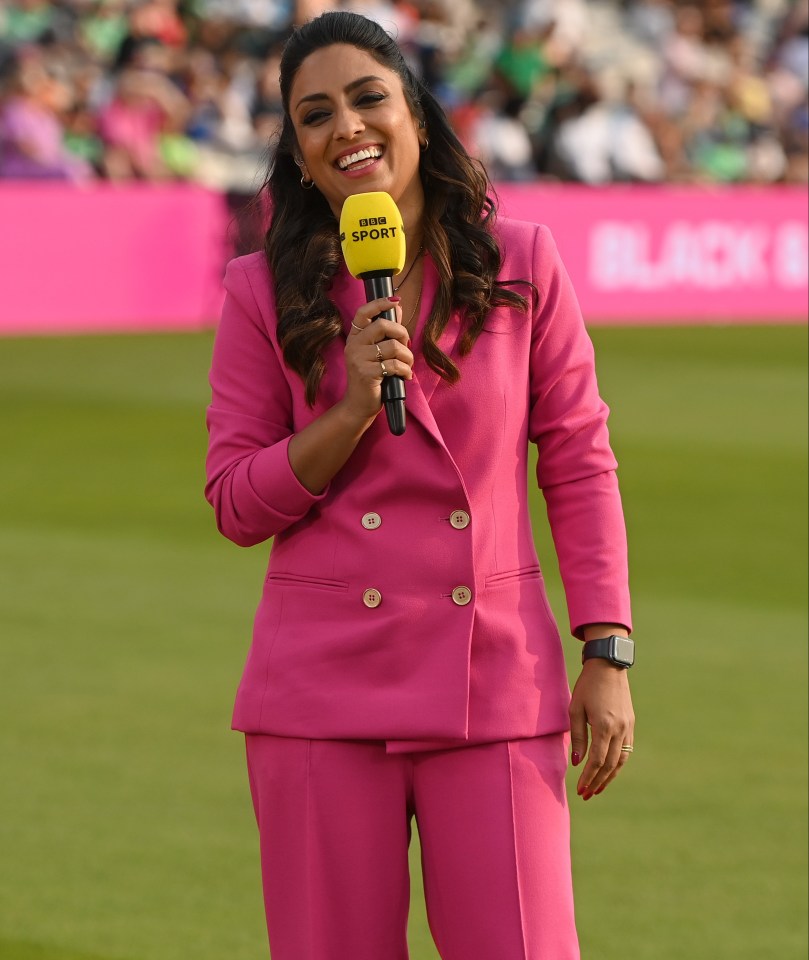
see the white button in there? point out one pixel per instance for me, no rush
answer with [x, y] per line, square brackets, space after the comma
[461, 596]
[371, 598]
[371, 521]
[459, 519]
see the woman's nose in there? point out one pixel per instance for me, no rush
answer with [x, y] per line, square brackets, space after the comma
[347, 123]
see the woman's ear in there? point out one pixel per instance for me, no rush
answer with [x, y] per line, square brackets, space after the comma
[424, 140]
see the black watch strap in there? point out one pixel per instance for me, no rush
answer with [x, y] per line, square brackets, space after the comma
[616, 649]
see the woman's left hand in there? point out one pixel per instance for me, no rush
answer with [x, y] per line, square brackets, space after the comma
[602, 701]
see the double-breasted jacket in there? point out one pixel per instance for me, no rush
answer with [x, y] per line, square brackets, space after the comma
[405, 602]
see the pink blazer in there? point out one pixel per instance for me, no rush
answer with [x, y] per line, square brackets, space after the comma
[405, 602]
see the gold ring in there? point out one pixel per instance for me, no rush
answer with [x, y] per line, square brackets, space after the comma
[359, 329]
[384, 371]
[379, 356]
[627, 748]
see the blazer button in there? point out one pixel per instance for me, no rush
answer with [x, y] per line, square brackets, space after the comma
[459, 519]
[461, 596]
[371, 521]
[371, 598]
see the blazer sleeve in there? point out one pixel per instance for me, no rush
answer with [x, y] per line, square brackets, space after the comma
[576, 468]
[250, 483]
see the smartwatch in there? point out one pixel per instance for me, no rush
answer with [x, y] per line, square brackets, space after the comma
[618, 650]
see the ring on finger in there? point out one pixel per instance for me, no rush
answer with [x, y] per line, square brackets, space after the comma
[379, 356]
[358, 329]
[384, 371]
[627, 748]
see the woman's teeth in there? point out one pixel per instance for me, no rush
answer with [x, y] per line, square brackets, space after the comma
[372, 153]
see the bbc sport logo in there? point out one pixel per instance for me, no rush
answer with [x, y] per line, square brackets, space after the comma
[373, 221]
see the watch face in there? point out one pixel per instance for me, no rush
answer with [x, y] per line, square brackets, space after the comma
[624, 650]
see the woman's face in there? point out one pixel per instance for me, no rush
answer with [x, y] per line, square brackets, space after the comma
[355, 130]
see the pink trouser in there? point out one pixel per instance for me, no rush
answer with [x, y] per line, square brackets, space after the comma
[334, 824]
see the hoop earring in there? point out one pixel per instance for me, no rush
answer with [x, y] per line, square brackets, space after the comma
[423, 146]
[306, 184]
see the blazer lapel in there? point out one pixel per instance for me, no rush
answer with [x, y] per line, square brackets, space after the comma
[448, 340]
[420, 389]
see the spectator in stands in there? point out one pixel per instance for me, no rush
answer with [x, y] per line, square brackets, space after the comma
[608, 141]
[267, 108]
[102, 31]
[788, 82]
[145, 106]
[35, 21]
[498, 138]
[32, 123]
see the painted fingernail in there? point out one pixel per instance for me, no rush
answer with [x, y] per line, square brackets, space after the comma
[575, 758]
[395, 299]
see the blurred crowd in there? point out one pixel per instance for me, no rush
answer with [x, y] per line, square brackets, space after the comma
[592, 91]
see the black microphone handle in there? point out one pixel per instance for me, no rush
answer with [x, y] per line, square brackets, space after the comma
[377, 286]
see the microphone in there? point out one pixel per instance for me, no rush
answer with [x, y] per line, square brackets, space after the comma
[373, 241]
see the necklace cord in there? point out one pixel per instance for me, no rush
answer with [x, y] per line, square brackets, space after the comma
[415, 310]
[401, 283]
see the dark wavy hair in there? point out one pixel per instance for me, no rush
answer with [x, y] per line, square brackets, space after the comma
[302, 243]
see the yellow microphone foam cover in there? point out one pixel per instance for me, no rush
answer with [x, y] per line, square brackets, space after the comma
[372, 234]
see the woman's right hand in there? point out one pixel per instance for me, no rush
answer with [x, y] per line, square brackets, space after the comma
[370, 346]
[322, 447]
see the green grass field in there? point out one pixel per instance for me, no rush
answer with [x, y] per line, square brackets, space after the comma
[126, 831]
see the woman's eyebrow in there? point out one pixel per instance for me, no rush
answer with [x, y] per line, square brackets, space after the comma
[324, 96]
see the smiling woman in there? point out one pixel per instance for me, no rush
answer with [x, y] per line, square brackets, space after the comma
[433, 686]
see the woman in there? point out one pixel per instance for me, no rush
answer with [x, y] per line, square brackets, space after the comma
[404, 660]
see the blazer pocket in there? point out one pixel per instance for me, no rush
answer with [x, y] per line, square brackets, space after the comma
[302, 580]
[511, 576]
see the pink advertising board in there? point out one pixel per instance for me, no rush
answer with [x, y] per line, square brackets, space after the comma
[109, 258]
[144, 257]
[677, 255]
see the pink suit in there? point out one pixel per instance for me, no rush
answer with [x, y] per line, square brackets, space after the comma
[405, 602]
